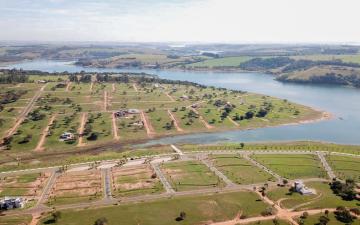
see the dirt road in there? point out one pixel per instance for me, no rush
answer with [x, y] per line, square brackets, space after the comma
[41, 142]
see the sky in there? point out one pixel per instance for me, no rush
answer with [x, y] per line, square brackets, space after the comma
[210, 21]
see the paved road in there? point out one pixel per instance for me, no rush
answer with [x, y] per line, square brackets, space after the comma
[325, 164]
[162, 178]
[256, 163]
[46, 191]
[209, 164]
[107, 184]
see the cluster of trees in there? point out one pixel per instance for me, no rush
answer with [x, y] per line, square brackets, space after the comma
[11, 96]
[290, 65]
[345, 190]
[13, 78]
[36, 115]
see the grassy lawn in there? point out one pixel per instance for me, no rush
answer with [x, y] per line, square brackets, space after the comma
[324, 197]
[188, 121]
[240, 170]
[198, 209]
[15, 220]
[220, 62]
[101, 125]
[345, 167]
[62, 123]
[161, 122]
[28, 134]
[277, 146]
[314, 219]
[190, 175]
[133, 181]
[293, 166]
[129, 129]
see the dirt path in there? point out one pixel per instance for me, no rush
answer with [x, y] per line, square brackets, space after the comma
[170, 97]
[91, 86]
[35, 219]
[135, 87]
[233, 121]
[176, 124]
[114, 126]
[113, 88]
[206, 124]
[149, 129]
[24, 113]
[105, 100]
[81, 129]
[68, 86]
[41, 142]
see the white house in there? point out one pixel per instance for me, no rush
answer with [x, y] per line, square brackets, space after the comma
[11, 203]
[302, 189]
[67, 136]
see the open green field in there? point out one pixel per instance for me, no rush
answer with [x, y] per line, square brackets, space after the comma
[345, 167]
[324, 197]
[220, 62]
[61, 124]
[344, 58]
[131, 128]
[314, 219]
[293, 166]
[240, 170]
[133, 181]
[276, 146]
[99, 124]
[198, 209]
[15, 220]
[190, 175]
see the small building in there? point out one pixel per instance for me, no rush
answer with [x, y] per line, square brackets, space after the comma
[302, 189]
[67, 136]
[11, 203]
[41, 81]
[126, 112]
[184, 97]
[139, 124]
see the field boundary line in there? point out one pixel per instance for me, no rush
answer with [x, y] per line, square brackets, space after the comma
[176, 124]
[264, 168]
[114, 127]
[161, 176]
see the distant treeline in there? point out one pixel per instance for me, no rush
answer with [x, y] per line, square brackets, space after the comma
[328, 78]
[287, 64]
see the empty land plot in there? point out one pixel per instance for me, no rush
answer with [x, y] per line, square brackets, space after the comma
[188, 120]
[161, 122]
[48, 78]
[98, 128]
[198, 209]
[324, 197]
[345, 167]
[135, 180]
[213, 117]
[15, 220]
[190, 175]
[293, 166]
[28, 134]
[131, 128]
[28, 186]
[74, 187]
[314, 219]
[240, 170]
[61, 124]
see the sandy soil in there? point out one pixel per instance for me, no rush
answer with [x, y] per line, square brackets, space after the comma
[81, 129]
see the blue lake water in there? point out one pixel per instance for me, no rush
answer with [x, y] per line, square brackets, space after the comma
[342, 102]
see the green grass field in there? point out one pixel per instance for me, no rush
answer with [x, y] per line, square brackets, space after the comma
[314, 219]
[293, 166]
[240, 170]
[198, 209]
[15, 220]
[220, 62]
[23, 185]
[190, 175]
[324, 198]
[345, 167]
